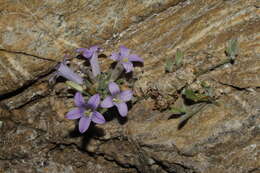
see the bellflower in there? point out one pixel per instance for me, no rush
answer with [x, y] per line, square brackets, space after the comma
[117, 99]
[86, 112]
[126, 59]
[92, 55]
[64, 71]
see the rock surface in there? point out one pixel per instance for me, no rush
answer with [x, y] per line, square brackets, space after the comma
[222, 137]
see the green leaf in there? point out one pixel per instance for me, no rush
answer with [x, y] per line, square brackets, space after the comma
[232, 48]
[102, 85]
[196, 97]
[169, 65]
[191, 95]
[193, 111]
[74, 86]
[178, 57]
[178, 110]
[88, 83]
[204, 84]
[120, 81]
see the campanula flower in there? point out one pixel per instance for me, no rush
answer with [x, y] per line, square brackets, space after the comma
[64, 71]
[92, 55]
[117, 99]
[86, 112]
[126, 59]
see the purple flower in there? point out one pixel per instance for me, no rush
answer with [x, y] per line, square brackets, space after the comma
[64, 71]
[126, 59]
[86, 111]
[92, 55]
[117, 99]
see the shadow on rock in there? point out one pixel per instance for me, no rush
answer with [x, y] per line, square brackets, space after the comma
[92, 132]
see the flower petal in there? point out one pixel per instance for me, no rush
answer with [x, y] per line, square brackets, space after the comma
[124, 51]
[94, 48]
[107, 102]
[93, 102]
[94, 64]
[128, 66]
[80, 50]
[122, 108]
[126, 95]
[113, 88]
[79, 100]
[74, 114]
[98, 118]
[84, 123]
[87, 54]
[64, 71]
[135, 58]
[114, 56]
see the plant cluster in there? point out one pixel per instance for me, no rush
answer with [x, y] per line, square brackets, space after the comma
[196, 100]
[175, 63]
[100, 88]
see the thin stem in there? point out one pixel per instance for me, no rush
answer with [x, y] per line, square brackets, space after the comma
[116, 72]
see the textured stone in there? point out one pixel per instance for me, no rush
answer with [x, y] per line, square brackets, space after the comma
[18, 70]
[222, 137]
[47, 30]
[249, 77]
[212, 141]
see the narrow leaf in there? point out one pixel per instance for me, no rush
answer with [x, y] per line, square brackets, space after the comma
[191, 95]
[74, 86]
[178, 57]
[169, 65]
[175, 110]
[232, 48]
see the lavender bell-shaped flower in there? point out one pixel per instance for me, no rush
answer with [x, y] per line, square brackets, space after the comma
[86, 112]
[64, 71]
[92, 55]
[125, 58]
[117, 99]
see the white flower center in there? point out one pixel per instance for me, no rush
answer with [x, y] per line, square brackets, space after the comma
[87, 113]
[116, 100]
